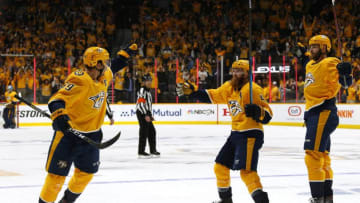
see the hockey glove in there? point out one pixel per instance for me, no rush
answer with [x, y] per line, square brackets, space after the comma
[122, 57]
[60, 121]
[253, 111]
[179, 89]
[345, 71]
[344, 68]
[132, 49]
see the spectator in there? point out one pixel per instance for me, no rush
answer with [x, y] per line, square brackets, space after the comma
[45, 91]
[119, 86]
[351, 96]
[129, 87]
[163, 86]
[275, 92]
[55, 85]
[203, 77]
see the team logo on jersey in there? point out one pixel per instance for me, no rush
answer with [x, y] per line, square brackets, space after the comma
[98, 99]
[79, 72]
[62, 164]
[309, 79]
[235, 107]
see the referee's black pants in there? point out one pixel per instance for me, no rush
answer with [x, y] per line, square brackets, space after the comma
[147, 132]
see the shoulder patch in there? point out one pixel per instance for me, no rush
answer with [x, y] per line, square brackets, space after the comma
[79, 72]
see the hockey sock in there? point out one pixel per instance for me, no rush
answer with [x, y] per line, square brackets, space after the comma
[223, 181]
[251, 180]
[315, 162]
[328, 175]
[79, 181]
[51, 188]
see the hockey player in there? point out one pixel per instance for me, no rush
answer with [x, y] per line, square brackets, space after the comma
[323, 78]
[241, 150]
[144, 115]
[9, 111]
[81, 105]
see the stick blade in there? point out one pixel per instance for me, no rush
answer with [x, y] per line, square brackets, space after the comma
[109, 142]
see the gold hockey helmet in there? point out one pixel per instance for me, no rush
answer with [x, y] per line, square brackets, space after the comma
[321, 40]
[93, 55]
[244, 64]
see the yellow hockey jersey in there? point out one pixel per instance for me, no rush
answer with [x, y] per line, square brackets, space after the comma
[236, 101]
[85, 100]
[10, 97]
[321, 82]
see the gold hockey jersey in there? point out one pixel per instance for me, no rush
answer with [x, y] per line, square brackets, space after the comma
[85, 99]
[236, 101]
[321, 82]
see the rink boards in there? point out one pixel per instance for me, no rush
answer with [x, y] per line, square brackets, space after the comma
[284, 114]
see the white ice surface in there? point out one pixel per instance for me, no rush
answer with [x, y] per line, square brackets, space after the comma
[184, 173]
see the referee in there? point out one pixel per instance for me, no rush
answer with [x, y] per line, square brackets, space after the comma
[145, 118]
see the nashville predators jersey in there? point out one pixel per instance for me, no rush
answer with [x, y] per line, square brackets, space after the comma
[85, 99]
[10, 97]
[321, 82]
[236, 101]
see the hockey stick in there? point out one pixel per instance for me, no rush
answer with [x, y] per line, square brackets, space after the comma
[339, 41]
[250, 50]
[74, 132]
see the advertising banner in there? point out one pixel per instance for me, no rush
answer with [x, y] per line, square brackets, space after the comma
[284, 114]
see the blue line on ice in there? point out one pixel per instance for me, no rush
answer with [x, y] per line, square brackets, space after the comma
[167, 180]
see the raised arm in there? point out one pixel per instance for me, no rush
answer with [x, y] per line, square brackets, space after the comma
[122, 57]
[215, 96]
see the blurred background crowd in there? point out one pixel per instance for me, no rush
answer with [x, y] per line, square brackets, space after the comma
[180, 41]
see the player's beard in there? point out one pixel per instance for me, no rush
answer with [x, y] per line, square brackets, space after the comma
[316, 56]
[238, 82]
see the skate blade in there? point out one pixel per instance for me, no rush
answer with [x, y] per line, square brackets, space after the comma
[144, 157]
[155, 156]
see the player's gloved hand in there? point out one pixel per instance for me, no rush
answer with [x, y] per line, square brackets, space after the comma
[121, 60]
[61, 123]
[179, 89]
[60, 120]
[132, 49]
[345, 71]
[188, 84]
[253, 111]
[344, 68]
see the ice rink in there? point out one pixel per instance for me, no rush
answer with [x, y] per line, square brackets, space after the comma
[184, 173]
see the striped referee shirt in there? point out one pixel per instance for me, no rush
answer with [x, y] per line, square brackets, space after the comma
[144, 101]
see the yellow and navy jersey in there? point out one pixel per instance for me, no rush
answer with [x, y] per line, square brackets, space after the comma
[236, 101]
[10, 97]
[321, 82]
[85, 99]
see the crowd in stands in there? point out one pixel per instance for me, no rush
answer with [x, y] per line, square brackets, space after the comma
[213, 30]
[55, 33]
[195, 37]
